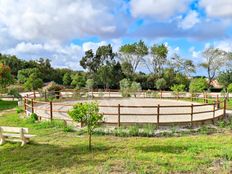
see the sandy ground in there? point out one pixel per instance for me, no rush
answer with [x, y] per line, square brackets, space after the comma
[151, 118]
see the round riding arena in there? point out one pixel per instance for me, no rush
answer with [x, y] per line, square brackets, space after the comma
[120, 111]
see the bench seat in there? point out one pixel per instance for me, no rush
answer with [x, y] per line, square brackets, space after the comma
[15, 134]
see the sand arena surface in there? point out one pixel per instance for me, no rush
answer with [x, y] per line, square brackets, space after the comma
[133, 114]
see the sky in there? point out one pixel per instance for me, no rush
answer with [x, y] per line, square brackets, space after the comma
[62, 30]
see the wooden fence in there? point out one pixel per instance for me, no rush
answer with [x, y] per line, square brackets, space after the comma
[31, 105]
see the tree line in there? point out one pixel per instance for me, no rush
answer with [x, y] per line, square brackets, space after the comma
[105, 68]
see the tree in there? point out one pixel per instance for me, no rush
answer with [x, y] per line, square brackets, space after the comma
[89, 84]
[182, 65]
[160, 83]
[177, 88]
[225, 78]
[78, 81]
[104, 56]
[197, 85]
[24, 74]
[229, 88]
[133, 53]
[87, 113]
[5, 76]
[215, 59]
[127, 70]
[134, 88]
[159, 58]
[105, 76]
[67, 80]
[33, 82]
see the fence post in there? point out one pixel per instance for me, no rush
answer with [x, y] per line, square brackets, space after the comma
[32, 106]
[161, 95]
[191, 115]
[191, 96]
[51, 114]
[45, 95]
[158, 116]
[218, 103]
[214, 105]
[206, 98]
[119, 115]
[25, 104]
[224, 108]
[34, 94]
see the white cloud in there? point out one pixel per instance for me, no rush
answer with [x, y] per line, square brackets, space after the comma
[217, 8]
[160, 9]
[194, 53]
[61, 20]
[93, 45]
[225, 45]
[190, 20]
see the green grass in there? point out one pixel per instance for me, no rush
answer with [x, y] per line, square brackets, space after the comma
[4, 105]
[55, 151]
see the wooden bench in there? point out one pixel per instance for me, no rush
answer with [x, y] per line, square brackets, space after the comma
[14, 134]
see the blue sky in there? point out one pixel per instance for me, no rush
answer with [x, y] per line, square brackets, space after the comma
[63, 30]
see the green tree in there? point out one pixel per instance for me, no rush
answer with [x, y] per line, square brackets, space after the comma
[225, 78]
[24, 74]
[229, 88]
[78, 81]
[133, 53]
[125, 87]
[214, 60]
[159, 58]
[67, 80]
[87, 113]
[160, 84]
[5, 76]
[33, 82]
[197, 85]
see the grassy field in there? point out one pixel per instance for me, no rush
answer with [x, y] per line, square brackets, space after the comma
[55, 151]
[7, 105]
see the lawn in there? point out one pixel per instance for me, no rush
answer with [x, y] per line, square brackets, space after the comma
[7, 104]
[55, 151]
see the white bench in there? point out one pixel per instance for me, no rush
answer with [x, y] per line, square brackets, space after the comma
[15, 134]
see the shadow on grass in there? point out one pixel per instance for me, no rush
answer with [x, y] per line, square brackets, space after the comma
[37, 158]
[163, 148]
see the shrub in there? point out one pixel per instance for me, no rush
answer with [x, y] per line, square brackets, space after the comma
[229, 88]
[14, 92]
[89, 84]
[160, 84]
[19, 110]
[87, 113]
[134, 130]
[197, 85]
[33, 117]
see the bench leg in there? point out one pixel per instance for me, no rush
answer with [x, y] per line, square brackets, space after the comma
[2, 141]
[25, 141]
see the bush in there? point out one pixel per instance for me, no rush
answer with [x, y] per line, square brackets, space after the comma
[197, 85]
[229, 88]
[33, 117]
[134, 130]
[19, 110]
[14, 92]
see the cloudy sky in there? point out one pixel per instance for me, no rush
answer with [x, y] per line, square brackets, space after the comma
[63, 29]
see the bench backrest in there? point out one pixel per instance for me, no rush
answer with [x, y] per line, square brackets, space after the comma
[13, 129]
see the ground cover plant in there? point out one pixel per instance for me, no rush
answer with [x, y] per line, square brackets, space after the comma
[7, 105]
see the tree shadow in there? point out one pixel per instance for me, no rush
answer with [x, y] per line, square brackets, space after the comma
[163, 148]
[38, 158]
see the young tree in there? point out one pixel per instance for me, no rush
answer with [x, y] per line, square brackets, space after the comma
[177, 88]
[125, 87]
[133, 53]
[215, 59]
[5, 76]
[225, 78]
[160, 84]
[159, 58]
[67, 80]
[78, 81]
[87, 113]
[33, 82]
[197, 85]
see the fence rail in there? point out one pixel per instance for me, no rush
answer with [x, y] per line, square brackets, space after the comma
[31, 105]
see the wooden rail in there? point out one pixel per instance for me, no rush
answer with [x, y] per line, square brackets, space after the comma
[32, 105]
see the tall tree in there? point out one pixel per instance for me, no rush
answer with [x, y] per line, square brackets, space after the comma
[214, 60]
[133, 53]
[5, 76]
[159, 58]
[182, 65]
